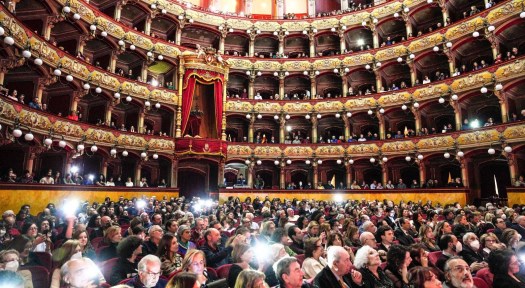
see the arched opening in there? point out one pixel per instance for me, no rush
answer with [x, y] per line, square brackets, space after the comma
[296, 46]
[195, 35]
[359, 39]
[327, 44]
[66, 35]
[236, 44]
[266, 46]
[328, 85]
[163, 28]
[267, 86]
[296, 82]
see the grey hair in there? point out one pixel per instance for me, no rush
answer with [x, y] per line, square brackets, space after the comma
[147, 259]
[334, 254]
[468, 235]
[361, 256]
[364, 235]
[367, 224]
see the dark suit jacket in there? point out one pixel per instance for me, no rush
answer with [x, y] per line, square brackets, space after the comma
[505, 281]
[390, 222]
[520, 230]
[498, 233]
[470, 256]
[326, 278]
[403, 238]
[440, 263]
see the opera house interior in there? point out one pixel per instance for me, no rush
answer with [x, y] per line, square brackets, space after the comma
[420, 99]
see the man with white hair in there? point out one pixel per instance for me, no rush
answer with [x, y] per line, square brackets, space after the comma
[338, 273]
[368, 226]
[149, 274]
[367, 238]
[253, 225]
[80, 273]
[520, 226]
[457, 274]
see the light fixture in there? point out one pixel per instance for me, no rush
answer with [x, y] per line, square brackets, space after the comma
[449, 44]
[248, 116]
[460, 153]
[436, 48]
[441, 100]
[86, 86]
[62, 144]
[259, 116]
[29, 136]
[17, 132]
[319, 116]
[104, 34]
[160, 57]
[370, 112]
[121, 42]
[484, 90]
[26, 54]
[351, 161]
[38, 61]
[307, 162]
[69, 78]
[454, 97]
[339, 161]
[48, 142]
[276, 117]
[507, 149]
[147, 103]
[116, 95]
[132, 47]
[382, 111]
[385, 159]
[307, 116]
[446, 155]
[348, 114]
[9, 40]
[98, 90]
[143, 154]
[416, 105]
[491, 28]
[80, 147]
[499, 87]
[66, 9]
[337, 115]
[94, 148]
[319, 161]
[475, 34]
[125, 153]
[420, 157]
[113, 152]
[157, 105]
[276, 162]
[76, 16]
[93, 27]
[372, 160]
[408, 158]
[57, 72]
[259, 162]
[491, 151]
[288, 161]
[128, 98]
[287, 117]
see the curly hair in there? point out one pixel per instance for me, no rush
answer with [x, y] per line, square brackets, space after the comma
[396, 256]
[361, 256]
[499, 261]
[129, 244]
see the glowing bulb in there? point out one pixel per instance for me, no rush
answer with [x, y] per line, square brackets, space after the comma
[26, 54]
[288, 161]
[48, 141]
[128, 98]
[66, 9]
[113, 152]
[372, 160]
[17, 132]
[38, 61]
[29, 136]
[259, 162]
[132, 47]
[441, 100]
[339, 161]
[408, 158]
[446, 155]
[76, 16]
[491, 151]
[86, 86]
[351, 161]
[62, 144]
[104, 34]
[80, 147]
[125, 153]
[507, 149]
[461, 154]
[94, 148]
[455, 97]
[9, 40]
[57, 72]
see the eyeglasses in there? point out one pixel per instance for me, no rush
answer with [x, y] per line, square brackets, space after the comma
[490, 240]
[459, 269]
[153, 274]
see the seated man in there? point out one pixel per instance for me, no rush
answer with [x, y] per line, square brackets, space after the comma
[149, 273]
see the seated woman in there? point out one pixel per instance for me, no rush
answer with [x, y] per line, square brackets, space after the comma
[367, 261]
[242, 255]
[195, 262]
[126, 267]
[313, 262]
[10, 261]
[423, 277]
[85, 244]
[505, 266]
[112, 237]
[168, 254]
[250, 279]
[398, 259]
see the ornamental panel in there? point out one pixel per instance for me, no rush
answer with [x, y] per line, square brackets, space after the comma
[471, 82]
[386, 10]
[328, 106]
[296, 65]
[100, 136]
[508, 9]
[79, 7]
[110, 27]
[167, 50]
[326, 23]
[267, 25]
[511, 70]
[268, 65]
[161, 144]
[105, 79]
[326, 63]
[394, 99]
[426, 42]
[239, 151]
[362, 149]
[44, 51]
[477, 137]
[206, 18]
[514, 132]
[139, 40]
[267, 151]
[435, 143]
[431, 91]
[67, 128]
[355, 19]
[390, 53]
[360, 103]
[16, 31]
[297, 107]
[131, 140]
[236, 63]
[330, 150]
[165, 96]
[398, 146]
[298, 151]
[34, 120]
[295, 25]
[412, 3]
[464, 28]
[75, 67]
[239, 24]
[238, 106]
[267, 107]
[132, 88]
[360, 59]
[8, 111]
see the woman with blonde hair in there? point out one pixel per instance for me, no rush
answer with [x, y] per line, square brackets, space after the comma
[112, 236]
[195, 262]
[183, 280]
[250, 279]
[428, 238]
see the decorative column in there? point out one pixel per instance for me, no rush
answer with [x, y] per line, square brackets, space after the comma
[464, 171]
[379, 83]
[313, 85]
[140, 126]
[342, 42]
[178, 132]
[282, 176]
[413, 73]
[81, 43]
[280, 9]
[108, 114]
[118, 11]
[417, 118]
[503, 106]
[345, 85]
[444, 11]
[138, 174]
[281, 87]
[147, 25]
[3, 70]
[451, 62]
[251, 88]
[221, 44]
[311, 38]
[144, 72]
[311, 8]
[381, 119]
[314, 129]
[174, 172]
[105, 168]
[408, 23]
[457, 114]
[316, 176]
[113, 60]
[220, 179]
[178, 36]
[76, 98]
[252, 33]
[513, 166]
[250, 129]
[348, 175]
[250, 175]
[224, 89]
[422, 173]
[346, 122]
[384, 173]
[376, 38]
[282, 126]
[30, 162]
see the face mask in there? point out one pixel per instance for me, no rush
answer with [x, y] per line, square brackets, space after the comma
[2, 232]
[459, 247]
[11, 266]
[475, 245]
[503, 216]
[77, 255]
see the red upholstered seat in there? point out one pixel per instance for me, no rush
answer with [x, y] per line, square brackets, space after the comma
[434, 256]
[107, 266]
[224, 270]
[39, 275]
[485, 274]
[480, 283]
[300, 258]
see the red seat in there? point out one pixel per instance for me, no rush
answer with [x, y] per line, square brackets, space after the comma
[105, 285]
[212, 273]
[224, 270]
[125, 281]
[45, 259]
[40, 275]
[490, 230]
[170, 276]
[480, 283]
[95, 242]
[300, 258]
[383, 265]
[434, 256]
[106, 267]
[484, 273]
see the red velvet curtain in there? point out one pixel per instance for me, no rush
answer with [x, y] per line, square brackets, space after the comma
[187, 99]
[218, 107]
[202, 76]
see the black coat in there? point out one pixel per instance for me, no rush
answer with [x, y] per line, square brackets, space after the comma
[404, 239]
[505, 281]
[326, 278]
[470, 256]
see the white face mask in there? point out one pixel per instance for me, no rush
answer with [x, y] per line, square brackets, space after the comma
[459, 247]
[11, 266]
[77, 255]
[2, 232]
[475, 245]
[503, 216]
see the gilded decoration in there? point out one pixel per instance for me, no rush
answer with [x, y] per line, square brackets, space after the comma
[100, 135]
[131, 88]
[325, 23]
[167, 50]
[326, 63]
[514, 132]
[268, 65]
[105, 79]
[68, 129]
[16, 31]
[267, 107]
[110, 27]
[431, 91]
[295, 25]
[511, 70]
[357, 60]
[507, 9]
[471, 82]
[412, 3]
[239, 151]
[239, 24]
[391, 52]
[7, 111]
[359, 103]
[161, 144]
[267, 151]
[267, 25]
[44, 51]
[464, 28]
[297, 107]
[426, 42]
[298, 151]
[84, 11]
[131, 140]
[355, 18]
[397, 146]
[238, 63]
[139, 40]
[296, 65]
[393, 99]
[334, 151]
[362, 149]
[435, 143]
[35, 120]
[238, 106]
[478, 137]
[386, 10]
[331, 106]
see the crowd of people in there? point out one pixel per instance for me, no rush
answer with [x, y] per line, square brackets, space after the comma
[143, 242]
